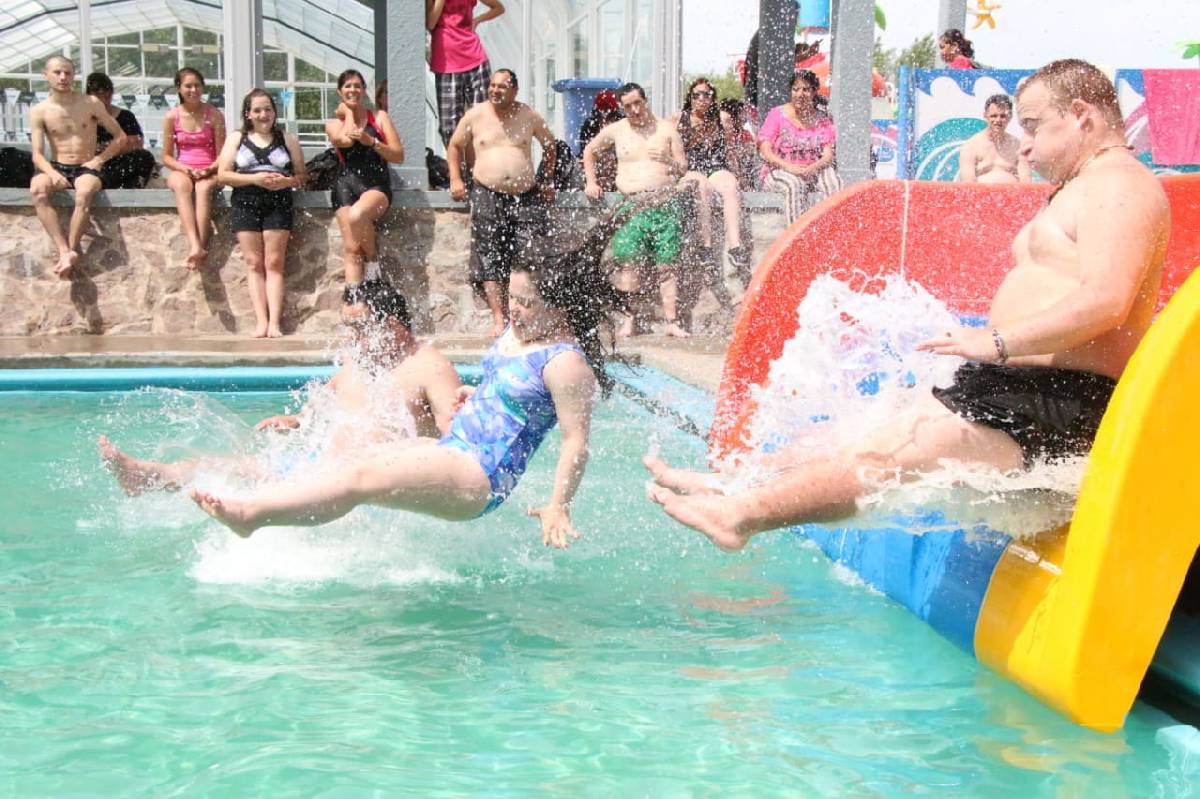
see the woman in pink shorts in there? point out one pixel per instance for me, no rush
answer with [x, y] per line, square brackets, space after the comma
[191, 131]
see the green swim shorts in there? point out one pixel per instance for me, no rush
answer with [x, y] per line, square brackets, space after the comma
[653, 231]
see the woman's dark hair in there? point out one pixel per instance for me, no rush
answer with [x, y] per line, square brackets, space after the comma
[183, 73]
[248, 101]
[347, 75]
[732, 107]
[98, 82]
[806, 76]
[381, 95]
[573, 282]
[1002, 100]
[955, 37]
[713, 114]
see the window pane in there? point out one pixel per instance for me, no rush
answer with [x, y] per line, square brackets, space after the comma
[275, 66]
[194, 36]
[159, 36]
[162, 65]
[124, 61]
[308, 104]
[207, 64]
[306, 72]
[124, 38]
[98, 62]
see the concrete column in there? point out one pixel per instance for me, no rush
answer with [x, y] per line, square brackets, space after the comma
[405, 72]
[853, 37]
[243, 62]
[85, 39]
[776, 51]
[951, 14]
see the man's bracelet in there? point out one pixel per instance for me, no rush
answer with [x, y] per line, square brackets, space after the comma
[1001, 347]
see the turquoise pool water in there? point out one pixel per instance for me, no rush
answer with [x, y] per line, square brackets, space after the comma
[146, 652]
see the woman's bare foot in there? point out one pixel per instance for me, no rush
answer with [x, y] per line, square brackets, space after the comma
[260, 331]
[274, 332]
[688, 482]
[132, 475]
[196, 257]
[711, 515]
[232, 514]
[673, 329]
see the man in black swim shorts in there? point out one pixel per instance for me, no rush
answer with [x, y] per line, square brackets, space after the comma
[1062, 326]
[70, 121]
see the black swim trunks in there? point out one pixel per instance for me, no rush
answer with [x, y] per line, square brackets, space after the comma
[502, 225]
[1050, 413]
[72, 172]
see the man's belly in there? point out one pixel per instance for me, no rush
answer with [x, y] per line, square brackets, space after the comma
[642, 176]
[504, 169]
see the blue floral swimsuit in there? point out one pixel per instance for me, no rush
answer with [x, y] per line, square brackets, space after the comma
[504, 421]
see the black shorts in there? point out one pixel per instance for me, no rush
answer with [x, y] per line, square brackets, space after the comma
[1050, 413]
[253, 208]
[348, 186]
[502, 225]
[72, 172]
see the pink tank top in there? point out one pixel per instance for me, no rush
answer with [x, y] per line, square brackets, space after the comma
[454, 45]
[196, 148]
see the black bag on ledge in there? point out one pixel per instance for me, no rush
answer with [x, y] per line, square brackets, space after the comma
[322, 169]
[16, 168]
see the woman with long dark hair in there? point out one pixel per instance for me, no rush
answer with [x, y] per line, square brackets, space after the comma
[263, 164]
[541, 372]
[956, 50]
[366, 143]
[708, 141]
[796, 145]
[191, 131]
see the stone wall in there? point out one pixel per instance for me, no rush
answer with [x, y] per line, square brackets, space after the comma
[132, 280]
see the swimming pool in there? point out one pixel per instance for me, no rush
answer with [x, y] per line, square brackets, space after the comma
[148, 652]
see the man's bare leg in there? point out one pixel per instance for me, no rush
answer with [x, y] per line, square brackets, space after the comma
[669, 287]
[825, 488]
[626, 280]
[424, 478]
[86, 189]
[135, 476]
[41, 188]
[494, 293]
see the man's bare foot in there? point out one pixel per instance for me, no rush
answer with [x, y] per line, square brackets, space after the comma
[684, 480]
[673, 329]
[625, 329]
[711, 515]
[132, 475]
[66, 262]
[232, 514]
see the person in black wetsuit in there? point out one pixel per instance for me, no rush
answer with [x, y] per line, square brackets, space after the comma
[366, 143]
[263, 164]
[135, 165]
[707, 140]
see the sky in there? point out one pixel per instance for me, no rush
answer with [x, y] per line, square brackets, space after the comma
[1029, 33]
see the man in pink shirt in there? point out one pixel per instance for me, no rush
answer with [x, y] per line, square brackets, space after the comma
[460, 64]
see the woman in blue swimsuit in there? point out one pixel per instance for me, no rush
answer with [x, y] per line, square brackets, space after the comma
[542, 371]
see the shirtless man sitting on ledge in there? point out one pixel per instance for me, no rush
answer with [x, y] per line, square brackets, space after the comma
[70, 120]
[508, 209]
[1062, 326]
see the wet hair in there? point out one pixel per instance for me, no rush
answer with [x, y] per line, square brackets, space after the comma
[347, 75]
[955, 37]
[806, 76]
[1002, 100]
[512, 76]
[626, 88]
[1074, 79]
[385, 302]
[381, 95]
[183, 73]
[572, 281]
[97, 82]
[248, 101]
[714, 110]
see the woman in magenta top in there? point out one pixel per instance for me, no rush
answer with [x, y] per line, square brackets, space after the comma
[796, 143]
[460, 65]
[191, 131]
[957, 50]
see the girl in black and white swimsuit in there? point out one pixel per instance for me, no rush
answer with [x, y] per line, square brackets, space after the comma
[262, 164]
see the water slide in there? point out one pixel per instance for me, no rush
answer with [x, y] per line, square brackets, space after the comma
[1073, 615]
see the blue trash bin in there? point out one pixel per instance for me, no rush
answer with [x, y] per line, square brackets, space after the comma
[578, 96]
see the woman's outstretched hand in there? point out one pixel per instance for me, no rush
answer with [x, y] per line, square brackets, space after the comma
[556, 525]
